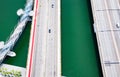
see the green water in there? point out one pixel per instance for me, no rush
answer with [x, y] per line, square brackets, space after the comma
[79, 50]
[8, 20]
[78, 43]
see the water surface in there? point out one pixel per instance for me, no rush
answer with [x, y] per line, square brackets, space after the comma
[79, 57]
[8, 20]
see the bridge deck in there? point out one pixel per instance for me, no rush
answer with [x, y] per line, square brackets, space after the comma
[106, 15]
[44, 50]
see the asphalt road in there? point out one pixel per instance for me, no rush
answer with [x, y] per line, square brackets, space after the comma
[44, 59]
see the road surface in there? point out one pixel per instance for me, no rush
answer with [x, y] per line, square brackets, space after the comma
[106, 15]
[44, 59]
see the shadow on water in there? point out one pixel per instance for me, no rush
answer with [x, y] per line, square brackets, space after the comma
[94, 38]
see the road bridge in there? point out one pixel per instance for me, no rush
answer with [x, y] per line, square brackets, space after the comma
[106, 15]
[44, 58]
